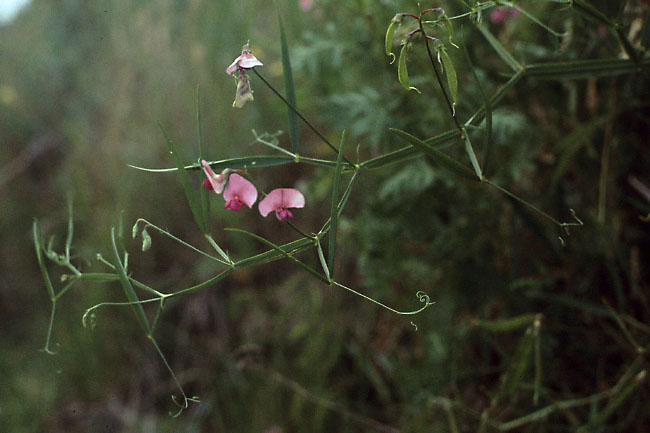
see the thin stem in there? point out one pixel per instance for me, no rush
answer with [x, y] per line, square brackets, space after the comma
[288, 104]
[439, 79]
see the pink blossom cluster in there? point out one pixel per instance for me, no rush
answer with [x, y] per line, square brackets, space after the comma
[237, 191]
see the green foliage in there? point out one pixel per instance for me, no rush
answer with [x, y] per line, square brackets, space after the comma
[264, 345]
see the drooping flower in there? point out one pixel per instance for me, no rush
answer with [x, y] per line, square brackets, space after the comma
[279, 200]
[214, 181]
[239, 192]
[246, 60]
[244, 92]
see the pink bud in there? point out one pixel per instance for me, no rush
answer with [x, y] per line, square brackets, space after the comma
[279, 200]
[239, 192]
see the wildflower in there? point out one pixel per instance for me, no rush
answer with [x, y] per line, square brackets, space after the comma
[306, 5]
[214, 181]
[500, 15]
[246, 60]
[238, 68]
[239, 192]
[279, 200]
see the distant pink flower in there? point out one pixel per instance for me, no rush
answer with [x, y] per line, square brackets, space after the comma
[239, 192]
[214, 181]
[501, 14]
[279, 200]
[306, 5]
[246, 60]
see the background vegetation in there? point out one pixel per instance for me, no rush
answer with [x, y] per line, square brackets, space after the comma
[526, 334]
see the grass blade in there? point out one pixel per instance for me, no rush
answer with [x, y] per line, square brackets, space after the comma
[514, 375]
[445, 161]
[195, 205]
[499, 48]
[334, 208]
[128, 288]
[292, 117]
[205, 198]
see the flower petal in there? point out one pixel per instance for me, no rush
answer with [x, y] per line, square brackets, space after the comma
[270, 203]
[292, 198]
[233, 66]
[248, 61]
[216, 181]
[240, 189]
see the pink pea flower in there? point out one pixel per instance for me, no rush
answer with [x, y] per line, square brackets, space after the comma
[239, 192]
[214, 181]
[246, 60]
[279, 200]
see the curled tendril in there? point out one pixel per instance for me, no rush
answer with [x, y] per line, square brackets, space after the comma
[414, 326]
[184, 405]
[422, 297]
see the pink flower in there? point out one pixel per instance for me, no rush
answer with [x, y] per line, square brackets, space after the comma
[239, 192]
[279, 200]
[499, 15]
[306, 5]
[246, 60]
[214, 181]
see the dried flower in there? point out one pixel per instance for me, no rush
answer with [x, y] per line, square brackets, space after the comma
[279, 200]
[244, 92]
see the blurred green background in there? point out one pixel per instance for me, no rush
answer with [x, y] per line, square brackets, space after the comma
[83, 85]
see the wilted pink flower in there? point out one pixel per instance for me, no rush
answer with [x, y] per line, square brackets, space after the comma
[214, 181]
[279, 200]
[244, 92]
[239, 192]
[246, 60]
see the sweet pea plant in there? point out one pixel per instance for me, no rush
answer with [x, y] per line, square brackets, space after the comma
[429, 32]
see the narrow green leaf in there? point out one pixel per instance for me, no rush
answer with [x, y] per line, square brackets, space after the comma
[585, 68]
[36, 233]
[282, 252]
[487, 148]
[440, 158]
[205, 197]
[331, 250]
[271, 255]
[507, 325]
[402, 71]
[294, 135]
[190, 192]
[514, 375]
[410, 152]
[472, 156]
[243, 163]
[499, 48]
[450, 73]
[537, 385]
[388, 43]
[128, 288]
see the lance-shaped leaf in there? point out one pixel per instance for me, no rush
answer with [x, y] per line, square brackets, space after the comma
[388, 42]
[195, 204]
[445, 161]
[514, 375]
[334, 208]
[402, 71]
[292, 117]
[499, 48]
[128, 288]
[450, 73]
